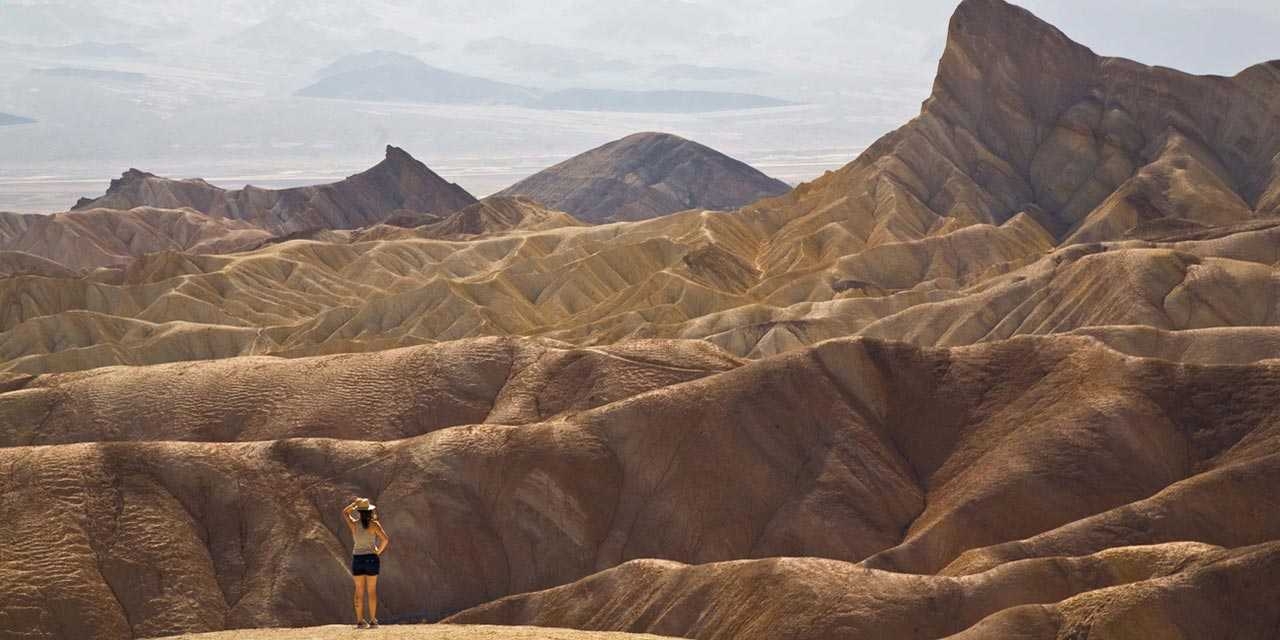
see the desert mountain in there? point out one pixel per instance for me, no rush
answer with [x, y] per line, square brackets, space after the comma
[1023, 120]
[385, 76]
[1010, 373]
[991, 479]
[697, 274]
[8, 119]
[646, 175]
[399, 182]
[857, 252]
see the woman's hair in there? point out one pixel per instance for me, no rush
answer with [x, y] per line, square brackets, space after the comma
[365, 517]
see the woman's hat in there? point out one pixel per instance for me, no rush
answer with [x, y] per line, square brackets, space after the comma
[363, 504]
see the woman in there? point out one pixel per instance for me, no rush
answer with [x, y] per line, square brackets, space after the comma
[369, 540]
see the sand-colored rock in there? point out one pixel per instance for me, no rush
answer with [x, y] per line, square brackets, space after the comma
[397, 183]
[1043, 189]
[955, 462]
[384, 395]
[106, 237]
[1010, 373]
[1112, 594]
[21, 263]
[1022, 119]
[491, 216]
[688, 276]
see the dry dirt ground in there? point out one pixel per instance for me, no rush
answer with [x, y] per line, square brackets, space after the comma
[417, 632]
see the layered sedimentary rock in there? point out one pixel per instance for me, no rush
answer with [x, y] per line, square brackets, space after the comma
[1153, 591]
[955, 465]
[93, 238]
[1022, 119]
[398, 183]
[694, 275]
[646, 175]
[1011, 373]
[965, 225]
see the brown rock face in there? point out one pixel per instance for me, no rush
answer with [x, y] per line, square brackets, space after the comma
[1152, 591]
[646, 175]
[398, 182]
[1023, 119]
[977, 469]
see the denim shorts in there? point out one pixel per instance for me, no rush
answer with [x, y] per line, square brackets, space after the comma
[365, 564]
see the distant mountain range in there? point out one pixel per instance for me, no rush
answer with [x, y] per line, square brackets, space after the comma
[93, 49]
[385, 76]
[8, 119]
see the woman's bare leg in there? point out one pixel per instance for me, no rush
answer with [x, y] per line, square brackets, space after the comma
[359, 599]
[373, 597]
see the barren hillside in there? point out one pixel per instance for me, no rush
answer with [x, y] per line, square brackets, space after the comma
[1012, 372]
[646, 175]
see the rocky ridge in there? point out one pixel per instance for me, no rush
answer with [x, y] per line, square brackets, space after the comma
[398, 183]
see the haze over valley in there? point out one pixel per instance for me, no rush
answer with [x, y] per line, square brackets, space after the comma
[217, 101]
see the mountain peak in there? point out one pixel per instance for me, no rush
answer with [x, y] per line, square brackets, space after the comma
[398, 154]
[651, 135]
[132, 174]
[645, 175]
[993, 43]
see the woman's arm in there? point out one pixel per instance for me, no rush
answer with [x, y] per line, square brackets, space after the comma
[381, 534]
[346, 514]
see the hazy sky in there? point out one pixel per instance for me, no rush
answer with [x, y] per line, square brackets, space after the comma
[206, 87]
[1203, 35]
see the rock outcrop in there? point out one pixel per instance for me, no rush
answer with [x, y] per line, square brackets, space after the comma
[646, 175]
[1023, 120]
[398, 183]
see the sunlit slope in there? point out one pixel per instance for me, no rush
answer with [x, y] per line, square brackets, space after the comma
[695, 275]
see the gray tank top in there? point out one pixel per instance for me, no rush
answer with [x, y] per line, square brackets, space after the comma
[363, 540]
